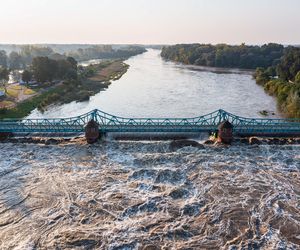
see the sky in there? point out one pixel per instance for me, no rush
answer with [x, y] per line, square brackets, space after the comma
[150, 21]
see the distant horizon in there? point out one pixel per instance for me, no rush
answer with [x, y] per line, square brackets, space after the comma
[151, 44]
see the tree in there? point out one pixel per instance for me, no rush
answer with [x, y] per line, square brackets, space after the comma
[15, 60]
[289, 65]
[261, 76]
[271, 71]
[4, 77]
[3, 59]
[71, 73]
[67, 69]
[73, 62]
[26, 76]
[297, 78]
[293, 104]
[44, 69]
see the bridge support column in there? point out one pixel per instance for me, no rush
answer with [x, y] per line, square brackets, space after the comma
[92, 132]
[225, 132]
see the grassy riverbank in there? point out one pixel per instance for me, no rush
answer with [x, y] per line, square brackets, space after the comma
[283, 82]
[91, 80]
[286, 94]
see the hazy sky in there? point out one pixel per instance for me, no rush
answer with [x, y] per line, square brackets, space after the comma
[150, 21]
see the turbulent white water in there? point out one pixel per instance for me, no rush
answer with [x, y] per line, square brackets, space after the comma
[155, 88]
[142, 195]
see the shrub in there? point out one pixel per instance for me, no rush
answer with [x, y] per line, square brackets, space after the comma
[297, 78]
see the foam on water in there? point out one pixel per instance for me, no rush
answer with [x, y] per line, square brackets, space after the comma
[142, 195]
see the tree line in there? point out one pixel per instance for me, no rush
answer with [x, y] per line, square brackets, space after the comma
[105, 52]
[21, 59]
[25, 54]
[283, 81]
[223, 55]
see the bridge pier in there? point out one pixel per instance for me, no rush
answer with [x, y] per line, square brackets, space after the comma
[5, 135]
[225, 132]
[92, 132]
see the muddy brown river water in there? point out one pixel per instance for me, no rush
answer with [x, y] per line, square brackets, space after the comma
[142, 195]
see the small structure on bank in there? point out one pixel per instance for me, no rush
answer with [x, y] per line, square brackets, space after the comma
[225, 132]
[92, 131]
[2, 95]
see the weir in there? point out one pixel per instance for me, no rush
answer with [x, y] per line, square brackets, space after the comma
[113, 124]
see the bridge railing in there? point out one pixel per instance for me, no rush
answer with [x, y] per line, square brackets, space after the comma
[73, 124]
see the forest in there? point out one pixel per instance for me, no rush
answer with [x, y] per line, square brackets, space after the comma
[225, 56]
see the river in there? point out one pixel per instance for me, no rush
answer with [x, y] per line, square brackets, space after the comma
[120, 195]
[153, 87]
[146, 195]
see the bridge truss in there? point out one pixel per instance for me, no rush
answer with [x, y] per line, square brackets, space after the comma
[111, 123]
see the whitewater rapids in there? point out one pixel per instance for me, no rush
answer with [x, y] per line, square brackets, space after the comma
[142, 195]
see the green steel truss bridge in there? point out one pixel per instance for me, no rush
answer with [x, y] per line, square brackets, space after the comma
[114, 124]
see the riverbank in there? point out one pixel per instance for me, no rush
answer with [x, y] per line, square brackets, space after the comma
[91, 81]
[286, 94]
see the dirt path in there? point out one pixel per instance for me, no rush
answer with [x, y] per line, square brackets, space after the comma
[22, 96]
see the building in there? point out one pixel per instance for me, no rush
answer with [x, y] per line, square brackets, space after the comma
[2, 94]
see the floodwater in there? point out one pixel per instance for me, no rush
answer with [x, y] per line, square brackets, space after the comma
[155, 88]
[142, 195]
